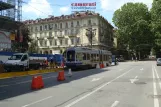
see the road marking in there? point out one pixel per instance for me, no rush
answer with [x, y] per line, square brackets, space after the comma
[4, 85]
[156, 72]
[2, 92]
[156, 101]
[95, 79]
[24, 82]
[92, 92]
[115, 104]
[37, 101]
[142, 69]
[133, 80]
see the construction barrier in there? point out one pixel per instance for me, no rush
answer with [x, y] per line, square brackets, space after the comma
[61, 76]
[37, 82]
[26, 73]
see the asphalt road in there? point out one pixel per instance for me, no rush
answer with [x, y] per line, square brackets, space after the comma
[129, 84]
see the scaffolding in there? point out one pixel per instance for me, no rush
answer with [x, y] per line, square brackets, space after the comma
[10, 14]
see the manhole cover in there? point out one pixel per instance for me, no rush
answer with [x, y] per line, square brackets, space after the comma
[141, 83]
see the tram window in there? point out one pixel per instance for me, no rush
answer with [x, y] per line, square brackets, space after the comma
[84, 56]
[92, 57]
[71, 56]
[79, 57]
[88, 56]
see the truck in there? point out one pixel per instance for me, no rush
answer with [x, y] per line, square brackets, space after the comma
[25, 61]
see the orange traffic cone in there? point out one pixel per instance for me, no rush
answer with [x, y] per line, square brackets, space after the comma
[62, 64]
[61, 76]
[41, 83]
[103, 65]
[35, 84]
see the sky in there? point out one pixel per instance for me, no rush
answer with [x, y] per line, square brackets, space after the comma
[33, 9]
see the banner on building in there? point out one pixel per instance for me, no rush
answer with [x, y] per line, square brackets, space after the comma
[5, 41]
[12, 36]
[83, 6]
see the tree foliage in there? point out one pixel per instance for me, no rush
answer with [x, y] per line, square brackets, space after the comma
[22, 46]
[133, 23]
[156, 23]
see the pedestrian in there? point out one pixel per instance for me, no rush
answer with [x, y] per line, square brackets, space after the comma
[136, 58]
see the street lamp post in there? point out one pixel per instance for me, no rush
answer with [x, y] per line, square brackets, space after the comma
[90, 33]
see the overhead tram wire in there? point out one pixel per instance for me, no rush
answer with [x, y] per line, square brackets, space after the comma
[35, 8]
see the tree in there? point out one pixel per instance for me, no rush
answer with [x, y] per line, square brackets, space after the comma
[33, 47]
[156, 24]
[21, 46]
[133, 23]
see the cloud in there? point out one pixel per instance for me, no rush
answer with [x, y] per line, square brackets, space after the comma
[112, 5]
[39, 9]
[64, 10]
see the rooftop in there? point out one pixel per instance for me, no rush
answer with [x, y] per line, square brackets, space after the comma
[75, 15]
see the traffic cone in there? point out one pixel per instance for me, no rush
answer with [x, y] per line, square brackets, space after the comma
[100, 65]
[41, 83]
[62, 64]
[35, 83]
[70, 72]
[103, 65]
[61, 76]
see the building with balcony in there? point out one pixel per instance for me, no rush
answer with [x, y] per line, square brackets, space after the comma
[55, 34]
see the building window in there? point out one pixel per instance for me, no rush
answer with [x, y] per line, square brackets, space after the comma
[55, 33]
[36, 29]
[41, 43]
[71, 24]
[51, 43]
[77, 31]
[61, 41]
[66, 32]
[45, 43]
[55, 42]
[51, 52]
[72, 31]
[72, 41]
[55, 26]
[89, 22]
[78, 40]
[40, 28]
[66, 25]
[40, 52]
[60, 25]
[45, 27]
[60, 33]
[50, 34]
[66, 41]
[77, 23]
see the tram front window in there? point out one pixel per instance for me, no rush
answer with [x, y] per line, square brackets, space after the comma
[71, 56]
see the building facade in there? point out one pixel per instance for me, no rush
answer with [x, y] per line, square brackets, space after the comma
[55, 34]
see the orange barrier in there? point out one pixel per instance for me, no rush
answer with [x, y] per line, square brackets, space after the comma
[61, 76]
[37, 82]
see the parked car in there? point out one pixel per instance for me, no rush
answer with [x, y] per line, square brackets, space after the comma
[158, 61]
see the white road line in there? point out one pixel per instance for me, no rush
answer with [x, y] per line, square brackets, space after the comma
[115, 104]
[24, 82]
[157, 76]
[2, 92]
[37, 101]
[102, 86]
[156, 101]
